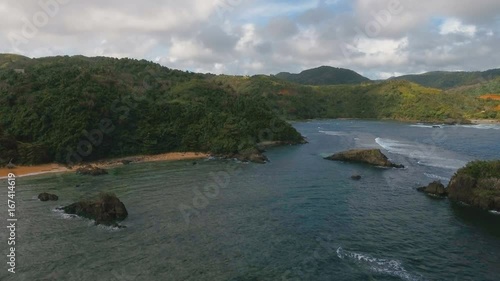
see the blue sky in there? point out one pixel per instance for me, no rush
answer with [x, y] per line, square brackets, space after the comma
[377, 38]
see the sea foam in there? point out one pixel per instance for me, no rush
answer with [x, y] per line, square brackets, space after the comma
[382, 266]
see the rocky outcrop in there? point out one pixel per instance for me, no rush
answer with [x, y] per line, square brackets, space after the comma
[435, 188]
[368, 156]
[479, 192]
[90, 170]
[47, 197]
[477, 184]
[253, 155]
[107, 209]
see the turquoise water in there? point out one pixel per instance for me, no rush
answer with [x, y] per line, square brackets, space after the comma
[297, 218]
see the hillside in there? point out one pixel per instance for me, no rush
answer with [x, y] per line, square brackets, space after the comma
[448, 80]
[105, 107]
[324, 75]
[397, 100]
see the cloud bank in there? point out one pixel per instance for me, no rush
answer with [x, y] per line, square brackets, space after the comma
[378, 38]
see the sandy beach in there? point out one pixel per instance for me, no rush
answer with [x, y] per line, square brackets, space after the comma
[23, 171]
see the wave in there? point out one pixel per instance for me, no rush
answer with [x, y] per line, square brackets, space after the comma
[63, 215]
[425, 155]
[482, 126]
[333, 133]
[382, 266]
[426, 126]
[432, 176]
[495, 212]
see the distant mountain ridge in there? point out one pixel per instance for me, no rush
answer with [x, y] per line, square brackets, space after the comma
[324, 75]
[448, 79]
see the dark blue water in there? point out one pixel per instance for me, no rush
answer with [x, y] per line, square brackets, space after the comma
[297, 218]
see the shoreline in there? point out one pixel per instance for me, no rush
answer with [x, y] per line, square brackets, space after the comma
[484, 121]
[26, 171]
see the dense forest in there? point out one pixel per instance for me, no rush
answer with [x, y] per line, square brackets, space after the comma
[324, 75]
[448, 80]
[396, 100]
[104, 107]
[57, 108]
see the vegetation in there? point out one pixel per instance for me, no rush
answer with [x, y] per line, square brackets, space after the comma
[324, 75]
[448, 80]
[65, 108]
[481, 169]
[79, 108]
[398, 100]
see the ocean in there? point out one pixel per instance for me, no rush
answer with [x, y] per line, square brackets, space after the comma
[299, 217]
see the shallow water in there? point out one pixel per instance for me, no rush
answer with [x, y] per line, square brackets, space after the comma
[297, 218]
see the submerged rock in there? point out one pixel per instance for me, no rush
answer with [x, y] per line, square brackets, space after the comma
[47, 197]
[435, 188]
[107, 209]
[368, 156]
[90, 170]
[356, 177]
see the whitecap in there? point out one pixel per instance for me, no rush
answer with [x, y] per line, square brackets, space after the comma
[433, 176]
[425, 155]
[495, 212]
[63, 215]
[333, 133]
[421, 126]
[482, 126]
[382, 266]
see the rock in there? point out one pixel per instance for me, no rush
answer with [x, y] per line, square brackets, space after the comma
[477, 184]
[126, 162]
[47, 197]
[251, 155]
[435, 188]
[356, 177]
[368, 156]
[90, 170]
[107, 209]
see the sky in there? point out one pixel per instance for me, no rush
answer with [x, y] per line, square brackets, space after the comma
[377, 38]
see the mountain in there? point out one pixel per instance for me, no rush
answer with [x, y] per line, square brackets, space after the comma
[448, 80]
[324, 75]
[69, 108]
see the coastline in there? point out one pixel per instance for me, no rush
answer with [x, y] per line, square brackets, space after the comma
[484, 121]
[25, 171]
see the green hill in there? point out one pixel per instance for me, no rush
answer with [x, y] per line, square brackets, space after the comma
[397, 100]
[448, 80]
[324, 75]
[105, 107]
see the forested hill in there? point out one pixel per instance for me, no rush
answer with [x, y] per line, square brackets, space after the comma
[448, 80]
[324, 75]
[54, 107]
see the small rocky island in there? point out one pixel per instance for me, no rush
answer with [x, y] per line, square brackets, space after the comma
[44, 197]
[90, 170]
[477, 184]
[373, 157]
[106, 209]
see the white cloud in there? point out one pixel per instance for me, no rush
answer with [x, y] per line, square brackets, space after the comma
[454, 26]
[257, 36]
